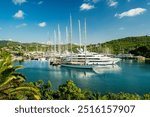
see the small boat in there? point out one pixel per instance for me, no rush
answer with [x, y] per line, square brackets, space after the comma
[42, 59]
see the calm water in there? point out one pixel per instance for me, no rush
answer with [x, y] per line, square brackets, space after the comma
[130, 76]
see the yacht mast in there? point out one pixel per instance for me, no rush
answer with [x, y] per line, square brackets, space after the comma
[80, 33]
[85, 35]
[55, 38]
[71, 33]
[66, 38]
[50, 45]
[59, 40]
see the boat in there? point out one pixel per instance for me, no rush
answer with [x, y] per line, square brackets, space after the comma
[84, 59]
[42, 59]
[88, 60]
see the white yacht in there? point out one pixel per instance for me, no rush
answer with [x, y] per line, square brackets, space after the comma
[85, 59]
[88, 60]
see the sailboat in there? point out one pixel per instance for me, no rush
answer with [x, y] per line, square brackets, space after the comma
[85, 59]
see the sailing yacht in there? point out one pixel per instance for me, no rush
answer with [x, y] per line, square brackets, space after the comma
[88, 60]
[85, 59]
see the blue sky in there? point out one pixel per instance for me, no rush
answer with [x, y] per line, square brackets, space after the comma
[35, 20]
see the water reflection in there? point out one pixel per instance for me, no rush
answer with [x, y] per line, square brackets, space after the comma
[89, 73]
[106, 69]
[78, 73]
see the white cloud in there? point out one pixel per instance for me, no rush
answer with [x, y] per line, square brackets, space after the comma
[86, 6]
[19, 2]
[19, 14]
[112, 3]
[21, 25]
[131, 13]
[42, 24]
[40, 2]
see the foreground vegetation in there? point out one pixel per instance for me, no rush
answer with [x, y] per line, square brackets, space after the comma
[12, 83]
[14, 87]
[69, 91]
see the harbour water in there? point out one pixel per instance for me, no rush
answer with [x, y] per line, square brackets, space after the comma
[129, 76]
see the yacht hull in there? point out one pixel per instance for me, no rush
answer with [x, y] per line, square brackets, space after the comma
[77, 66]
[84, 66]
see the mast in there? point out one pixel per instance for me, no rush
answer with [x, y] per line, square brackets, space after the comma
[66, 38]
[85, 35]
[59, 40]
[80, 33]
[71, 33]
[49, 39]
[55, 38]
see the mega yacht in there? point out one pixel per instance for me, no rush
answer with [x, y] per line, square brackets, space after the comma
[83, 59]
[88, 60]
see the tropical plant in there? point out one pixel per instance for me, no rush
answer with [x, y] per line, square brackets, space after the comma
[69, 91]
[120, 96]
[12, 83]
[45, 90]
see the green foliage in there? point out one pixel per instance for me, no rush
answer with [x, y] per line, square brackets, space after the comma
[146, 96]
[12, 83]
[124, 45]
[141, 51]
[69, 91]
[45, 90]
[120, 96]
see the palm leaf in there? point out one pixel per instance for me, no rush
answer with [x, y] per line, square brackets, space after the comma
[31, 89]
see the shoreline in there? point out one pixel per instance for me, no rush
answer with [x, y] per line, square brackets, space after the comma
[147, 58]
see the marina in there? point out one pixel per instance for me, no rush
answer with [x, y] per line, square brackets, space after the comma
[128, 76]
[75, 50]
[82, 58]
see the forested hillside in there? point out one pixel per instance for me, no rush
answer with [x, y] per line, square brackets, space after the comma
[124, 45]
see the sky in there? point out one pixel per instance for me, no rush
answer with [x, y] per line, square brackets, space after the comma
[36, 20]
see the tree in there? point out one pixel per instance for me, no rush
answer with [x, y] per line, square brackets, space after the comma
[45, 90]
[69, 91]
[120, 96]
[12, 83]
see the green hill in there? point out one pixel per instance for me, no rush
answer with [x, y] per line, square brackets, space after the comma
[17, 46]
[137, 45]
[124, 45]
